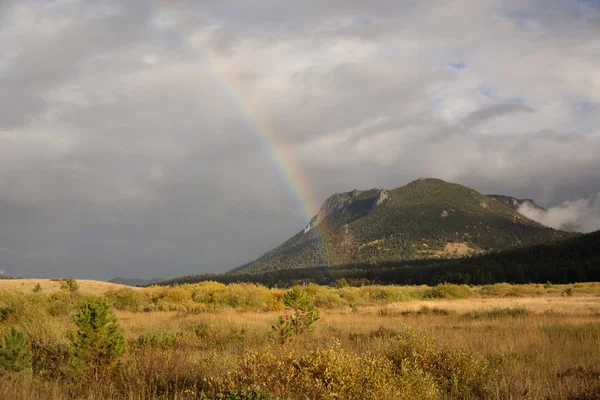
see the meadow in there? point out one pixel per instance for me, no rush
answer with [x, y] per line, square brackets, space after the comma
[216, 341]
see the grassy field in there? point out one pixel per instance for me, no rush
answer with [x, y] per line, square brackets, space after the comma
[214, 341]
[52, 286]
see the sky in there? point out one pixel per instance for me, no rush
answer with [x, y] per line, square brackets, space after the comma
[162, 138]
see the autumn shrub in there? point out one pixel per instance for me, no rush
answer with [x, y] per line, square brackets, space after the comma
[126, 299]
[329, 373]
[177, 294]
[13, 306]
[328, 299]
[245, 296]
[209, 293]
[456, 372]
[448, 290]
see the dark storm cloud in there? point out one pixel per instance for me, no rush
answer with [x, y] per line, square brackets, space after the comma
[132, 134]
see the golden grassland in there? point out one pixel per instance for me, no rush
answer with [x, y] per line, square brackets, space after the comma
[51, 286]
[211, 340]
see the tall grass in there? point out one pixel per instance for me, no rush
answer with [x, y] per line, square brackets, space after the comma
[211, 340]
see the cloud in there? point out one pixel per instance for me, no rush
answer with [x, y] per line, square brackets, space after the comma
[579, 215]
[138, 136]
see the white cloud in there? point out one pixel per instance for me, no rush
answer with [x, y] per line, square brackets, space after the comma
[581, 215]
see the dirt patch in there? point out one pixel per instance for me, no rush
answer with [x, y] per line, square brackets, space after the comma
[373, 243]
[452, 250]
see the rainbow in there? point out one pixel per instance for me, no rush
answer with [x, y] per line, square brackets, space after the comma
[283, 161]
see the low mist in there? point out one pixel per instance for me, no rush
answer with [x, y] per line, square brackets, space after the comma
[578, 215]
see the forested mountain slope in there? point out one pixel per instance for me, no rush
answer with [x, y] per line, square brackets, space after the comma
[427, 218]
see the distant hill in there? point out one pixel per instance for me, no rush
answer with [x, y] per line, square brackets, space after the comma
[427, 218]
[135, 282]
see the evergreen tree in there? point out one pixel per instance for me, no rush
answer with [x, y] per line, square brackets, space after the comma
[14, 354]
[303, 318]
[98, 344]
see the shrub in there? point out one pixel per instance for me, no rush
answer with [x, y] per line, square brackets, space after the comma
[98, 344]
[457, 372]
[446, 290]
[70, 285]
[14, 355]
[126, 299]
[426, 310]
[37, 288]
[341, 283]
[330, 373]
[177, 294]
[13, 306]
[496, 313]
[328, 299]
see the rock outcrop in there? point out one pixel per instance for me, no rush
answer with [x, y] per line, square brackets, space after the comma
[381, 198]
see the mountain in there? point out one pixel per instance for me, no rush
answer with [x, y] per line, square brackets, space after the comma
[427, 218]
[515, 203]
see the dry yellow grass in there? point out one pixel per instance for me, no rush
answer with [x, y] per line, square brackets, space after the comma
[50, 286]
[536, 341]
[549, 352]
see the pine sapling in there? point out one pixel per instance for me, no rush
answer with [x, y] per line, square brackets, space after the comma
[98, 345]
[14, 354]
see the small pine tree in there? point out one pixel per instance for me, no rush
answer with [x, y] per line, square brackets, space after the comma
[341, 283]
[98, 344]
[14, 354]
[303, 318]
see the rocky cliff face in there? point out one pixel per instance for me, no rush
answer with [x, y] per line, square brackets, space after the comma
[381, 198]
[334, 206]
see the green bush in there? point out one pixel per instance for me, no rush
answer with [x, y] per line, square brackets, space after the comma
[70, 285]
[163, 338]
[14, 354]
[98, 344]
[126, 299]
[497, 313]
[447, 290]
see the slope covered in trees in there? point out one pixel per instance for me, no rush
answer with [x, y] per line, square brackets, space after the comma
[576, 259]
[416, 221]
